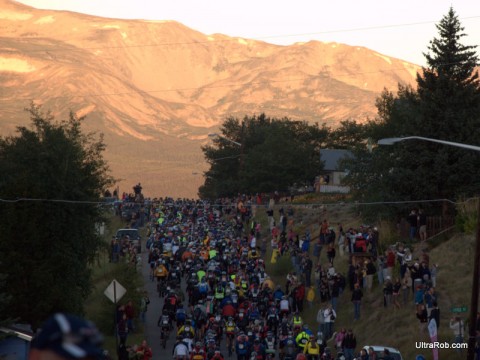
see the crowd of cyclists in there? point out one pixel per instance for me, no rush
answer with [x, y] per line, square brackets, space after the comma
[206, 261]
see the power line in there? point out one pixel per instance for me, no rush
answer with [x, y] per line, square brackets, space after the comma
[18, 200]
[342, 203]
[235, 39]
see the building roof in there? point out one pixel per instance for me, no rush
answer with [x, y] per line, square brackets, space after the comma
[332, 157]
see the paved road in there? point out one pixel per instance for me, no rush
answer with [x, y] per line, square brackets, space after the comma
[152, 332]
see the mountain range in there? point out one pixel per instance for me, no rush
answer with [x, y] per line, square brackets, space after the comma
[156, 89]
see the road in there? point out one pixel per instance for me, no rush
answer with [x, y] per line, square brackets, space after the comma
[152, 331]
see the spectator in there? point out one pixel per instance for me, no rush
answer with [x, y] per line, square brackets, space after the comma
[412, 220]
[387, 292]
[435, 314]
[130, 314]
[371, 270]
[406, 285]
[433, 275]
[349, 345]
[122, 328]
[144, 352]
[321, 320]
[339, 339]
[357, 295]
[330, 315]
[456, 324]
[422, 223]
[331, 253]
[144, 306]
[422, 318]
[397, 286]
[430, 298]
[324, 229]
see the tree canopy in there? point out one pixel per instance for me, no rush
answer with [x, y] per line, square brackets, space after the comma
[445, 106]
[52, 175]
[270, 154]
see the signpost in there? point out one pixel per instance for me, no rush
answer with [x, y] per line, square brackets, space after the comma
[115, 292]
[459, 309]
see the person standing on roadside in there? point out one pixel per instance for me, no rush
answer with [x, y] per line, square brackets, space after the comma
[457, 326]
[412, 220]
[130, 313]
[357, 295]
[349, 344]
[144, 352]
[144, 306]
[422, 225]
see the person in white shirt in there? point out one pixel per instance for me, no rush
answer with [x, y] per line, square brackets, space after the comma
[253, 242]
[330, 315]
[180, 350]
[284, 305]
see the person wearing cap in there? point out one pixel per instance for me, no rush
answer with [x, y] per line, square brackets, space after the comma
[66, 337]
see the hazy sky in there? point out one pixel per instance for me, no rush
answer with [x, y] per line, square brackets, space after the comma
[400, 29]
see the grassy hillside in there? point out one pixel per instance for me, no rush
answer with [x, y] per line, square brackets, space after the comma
[98, 307]
[378, 325]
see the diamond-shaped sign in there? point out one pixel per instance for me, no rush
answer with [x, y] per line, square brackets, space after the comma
[115, 291]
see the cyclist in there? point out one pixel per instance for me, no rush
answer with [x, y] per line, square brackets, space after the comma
[297, 323]
[288, 350]
[180, 316]
[218, 355]
[259, 349]
[270, 345]
[230, 327]
[180, 350]
[200, 317]
[312, 349]
[161, 273]
[198, 352]
[164, 324]
[242, 346]
[303, 337]
[186, 330]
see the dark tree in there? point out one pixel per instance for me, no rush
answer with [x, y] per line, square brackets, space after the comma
[52, 174]
[445, 106]
[270, 154]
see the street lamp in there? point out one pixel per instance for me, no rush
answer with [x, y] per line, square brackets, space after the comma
[224, 138]
[391, 141]
[476, 259]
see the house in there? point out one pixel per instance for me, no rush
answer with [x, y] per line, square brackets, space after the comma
[331, 178]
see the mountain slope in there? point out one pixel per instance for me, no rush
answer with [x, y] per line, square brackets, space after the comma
[159, 81]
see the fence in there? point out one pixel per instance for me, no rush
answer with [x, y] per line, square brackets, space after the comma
[435, 225]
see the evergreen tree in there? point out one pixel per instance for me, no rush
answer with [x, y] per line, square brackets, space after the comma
[445, 106]
[52, 174]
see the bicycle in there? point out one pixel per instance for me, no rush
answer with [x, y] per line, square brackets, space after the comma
[164, 335]
[161, 286]
[230, 337]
